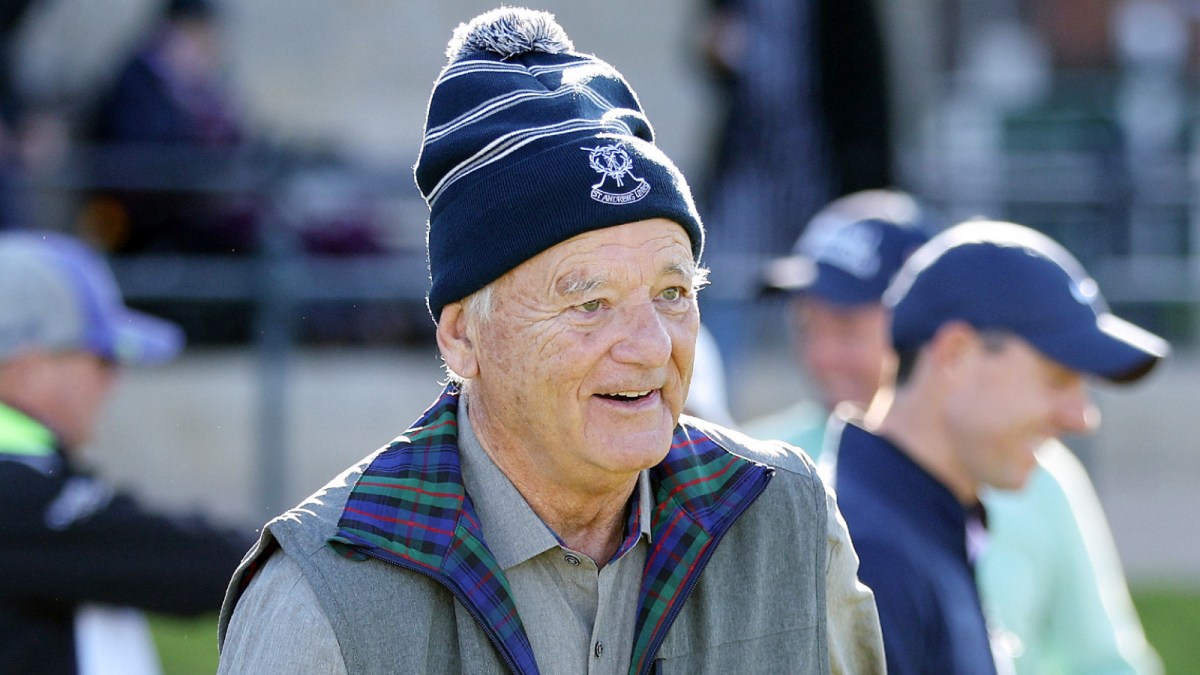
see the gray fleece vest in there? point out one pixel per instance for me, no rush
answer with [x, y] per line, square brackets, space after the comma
[759, 605]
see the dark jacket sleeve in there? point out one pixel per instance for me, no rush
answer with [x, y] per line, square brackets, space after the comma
[66, 539]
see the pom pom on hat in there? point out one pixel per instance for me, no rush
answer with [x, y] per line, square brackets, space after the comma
[527, 144]
[509, 31]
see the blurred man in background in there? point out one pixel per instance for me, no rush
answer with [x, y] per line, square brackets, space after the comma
[835, 278]
[1050, 577]
[77, 556]
[170, 107]
[997, 330]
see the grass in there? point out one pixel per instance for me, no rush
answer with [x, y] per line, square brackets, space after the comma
[186, 646]
[1171, 617]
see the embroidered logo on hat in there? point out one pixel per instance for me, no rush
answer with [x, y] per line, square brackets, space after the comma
[854, 249]
[615, 166]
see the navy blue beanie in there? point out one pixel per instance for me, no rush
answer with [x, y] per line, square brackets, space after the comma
[528, 144]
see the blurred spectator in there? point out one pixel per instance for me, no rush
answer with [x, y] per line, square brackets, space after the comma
[27, 134]
[77, 555]
[805, 118]
[1052, 580]
[10, 17]
[998, 329]
[1050, 576]
[835, 278]
[163, 129]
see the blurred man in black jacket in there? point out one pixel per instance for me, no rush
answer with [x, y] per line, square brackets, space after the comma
[77, 556]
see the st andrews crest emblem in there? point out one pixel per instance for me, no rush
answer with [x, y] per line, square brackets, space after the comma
[618, 184]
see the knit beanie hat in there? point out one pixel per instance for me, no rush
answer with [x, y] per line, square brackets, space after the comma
[529, 143]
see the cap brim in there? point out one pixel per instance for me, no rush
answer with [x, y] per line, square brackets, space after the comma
[142, 339]
[1112, 348]
[800, 274]
[789, 274]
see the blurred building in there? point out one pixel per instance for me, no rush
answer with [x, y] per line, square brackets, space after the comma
[1076, 117]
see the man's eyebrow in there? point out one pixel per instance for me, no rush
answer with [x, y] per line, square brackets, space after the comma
[579, 285]
[684, 269]
[696, 275]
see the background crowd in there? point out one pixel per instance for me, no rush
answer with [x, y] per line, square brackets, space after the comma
[270, 154]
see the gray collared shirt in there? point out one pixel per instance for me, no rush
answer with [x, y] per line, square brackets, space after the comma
[579, 617]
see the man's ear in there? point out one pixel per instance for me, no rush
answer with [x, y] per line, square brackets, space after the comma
[458, 350]
[951, 345]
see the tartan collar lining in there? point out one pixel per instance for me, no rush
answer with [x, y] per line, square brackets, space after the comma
[410, 507]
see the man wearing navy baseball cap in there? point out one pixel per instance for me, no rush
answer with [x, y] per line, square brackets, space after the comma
[78, 556]
[998, 331]
[1050, 561]
[835, 279]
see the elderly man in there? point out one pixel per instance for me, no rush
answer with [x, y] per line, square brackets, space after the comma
[997, 329]
[552, 512]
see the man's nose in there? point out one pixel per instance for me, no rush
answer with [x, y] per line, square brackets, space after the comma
[643, 336]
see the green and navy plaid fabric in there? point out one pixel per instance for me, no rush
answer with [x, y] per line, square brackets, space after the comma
[409, 507]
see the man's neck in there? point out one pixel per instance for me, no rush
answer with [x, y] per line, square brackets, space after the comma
[588, 517]
[913, 426]
[593, 525]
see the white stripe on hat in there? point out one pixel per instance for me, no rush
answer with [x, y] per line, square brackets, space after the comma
[501, 103]
[513, 141]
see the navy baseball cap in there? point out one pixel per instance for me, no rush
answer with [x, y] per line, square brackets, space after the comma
[1003, 276]
[59, 294]
[852, 248]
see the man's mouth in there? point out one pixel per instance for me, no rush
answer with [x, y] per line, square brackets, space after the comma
[626, 396]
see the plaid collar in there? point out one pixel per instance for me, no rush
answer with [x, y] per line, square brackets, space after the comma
[409, 508]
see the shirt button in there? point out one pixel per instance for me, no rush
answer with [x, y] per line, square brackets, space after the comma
[599, 649]
[573, 561]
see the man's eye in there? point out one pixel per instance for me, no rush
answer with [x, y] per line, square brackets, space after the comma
[590, 306]
[671, 294]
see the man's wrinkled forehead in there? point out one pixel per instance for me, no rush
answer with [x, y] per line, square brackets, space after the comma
[576, 283]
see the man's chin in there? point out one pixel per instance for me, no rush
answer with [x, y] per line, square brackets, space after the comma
[642, 450]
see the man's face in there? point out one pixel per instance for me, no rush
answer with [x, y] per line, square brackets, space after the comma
[1006, 401]
[844, 349]
[585, 359]
[74, 389]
